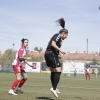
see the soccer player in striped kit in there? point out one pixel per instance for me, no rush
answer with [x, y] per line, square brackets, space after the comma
[52, 56]
[18, 67]
[88, 73]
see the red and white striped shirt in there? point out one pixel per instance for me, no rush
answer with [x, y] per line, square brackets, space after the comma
[20, 53]
[88, 70]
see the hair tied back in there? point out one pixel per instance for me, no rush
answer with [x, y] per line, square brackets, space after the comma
[61, 21]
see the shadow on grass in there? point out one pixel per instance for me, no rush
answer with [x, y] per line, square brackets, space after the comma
[44, 98]
[78, 97]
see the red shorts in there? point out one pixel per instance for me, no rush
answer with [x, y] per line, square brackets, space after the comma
[87, 74]
[18, 69]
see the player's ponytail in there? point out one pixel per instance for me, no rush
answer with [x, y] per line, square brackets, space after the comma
[61, 21]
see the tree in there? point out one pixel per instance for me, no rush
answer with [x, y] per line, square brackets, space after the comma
[41, 49]
[7, 58]
[38, 49]
[95, 61]
[37, 59]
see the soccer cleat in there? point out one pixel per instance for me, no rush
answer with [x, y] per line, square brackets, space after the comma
[19, 90]
[54, 92]
[57, 90]
[11, 92]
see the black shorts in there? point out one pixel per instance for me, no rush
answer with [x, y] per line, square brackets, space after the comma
[52, 60]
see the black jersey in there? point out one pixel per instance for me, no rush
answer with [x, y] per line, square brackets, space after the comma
[58, 40]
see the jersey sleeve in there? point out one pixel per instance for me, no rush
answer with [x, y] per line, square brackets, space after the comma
[20, 52]
[56, 37]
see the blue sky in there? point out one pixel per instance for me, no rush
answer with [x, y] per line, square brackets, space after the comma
[35, 20]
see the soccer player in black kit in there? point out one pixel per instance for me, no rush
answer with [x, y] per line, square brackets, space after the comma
[52, 55]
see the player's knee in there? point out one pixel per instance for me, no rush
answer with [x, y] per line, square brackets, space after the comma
[25, 78]
[58, 69]
[19, 78]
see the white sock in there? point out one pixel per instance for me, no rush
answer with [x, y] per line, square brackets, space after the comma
[18, 88]
[11, 90]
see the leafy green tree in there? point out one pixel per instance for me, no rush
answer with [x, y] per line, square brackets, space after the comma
[95, 61]
[38, 49]
[41, 49]
[7, 58]
[37, 59]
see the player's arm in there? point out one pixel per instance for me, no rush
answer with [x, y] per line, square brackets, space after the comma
[59, 56]
[55, 39]
[28, 63]
[25, 58]
[20, 55]
[33, 67]
[53, 44]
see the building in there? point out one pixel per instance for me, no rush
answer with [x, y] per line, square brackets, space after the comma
[82, 57]
[75, 57]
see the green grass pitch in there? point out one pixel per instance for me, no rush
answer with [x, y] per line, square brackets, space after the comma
[38, 85]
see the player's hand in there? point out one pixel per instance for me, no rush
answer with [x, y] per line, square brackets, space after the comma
[28, 58]
[33, 67]
[59, 56]
[63, 52]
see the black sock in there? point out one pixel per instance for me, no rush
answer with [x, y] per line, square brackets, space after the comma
[56, 79]
[52, 78]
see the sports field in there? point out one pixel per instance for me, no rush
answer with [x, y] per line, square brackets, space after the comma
[38, 87]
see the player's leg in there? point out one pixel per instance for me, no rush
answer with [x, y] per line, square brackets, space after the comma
[53, 81]
[50, 63]
[86, 76]
[15, 84]
[89, 76]
[56, 69]
[57, 77]
[49, 60]
[52, 78]
[17, 72]
[25, 77]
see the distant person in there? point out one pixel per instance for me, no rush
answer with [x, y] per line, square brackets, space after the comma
[51, 55]
[0, 68]
[87, 73]
[75, 73]
[18, 68]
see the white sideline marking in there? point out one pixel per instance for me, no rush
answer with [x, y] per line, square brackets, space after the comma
[59, 86]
